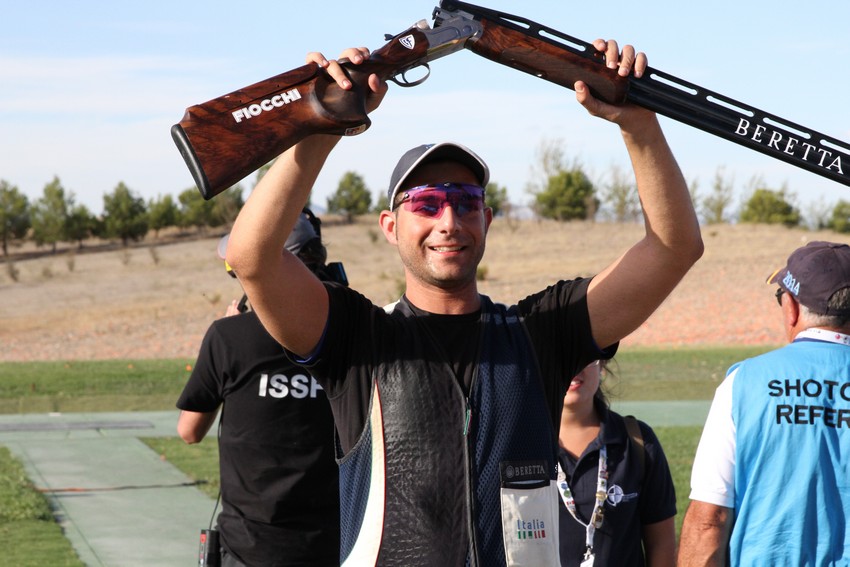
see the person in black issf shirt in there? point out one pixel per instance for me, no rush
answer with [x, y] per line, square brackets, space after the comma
[279, 479]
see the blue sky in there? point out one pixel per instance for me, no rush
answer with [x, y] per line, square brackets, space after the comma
[91, 88]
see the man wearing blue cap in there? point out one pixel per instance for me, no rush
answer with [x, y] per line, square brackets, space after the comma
[446, 403]
[771, 479]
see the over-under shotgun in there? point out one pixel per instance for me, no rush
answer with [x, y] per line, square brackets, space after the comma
[225, 139]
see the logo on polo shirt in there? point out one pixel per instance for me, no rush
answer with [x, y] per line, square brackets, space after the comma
[617, 496]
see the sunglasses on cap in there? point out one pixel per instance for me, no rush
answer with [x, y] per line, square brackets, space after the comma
[431, 200]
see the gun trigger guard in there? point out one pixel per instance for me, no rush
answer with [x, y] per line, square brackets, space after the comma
[405, 83]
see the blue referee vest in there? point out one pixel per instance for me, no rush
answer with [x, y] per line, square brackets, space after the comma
[791, 409]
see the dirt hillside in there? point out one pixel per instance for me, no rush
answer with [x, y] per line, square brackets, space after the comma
[157, 299]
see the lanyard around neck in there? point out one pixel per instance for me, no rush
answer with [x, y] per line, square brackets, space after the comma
[598, 514]
[817, 334]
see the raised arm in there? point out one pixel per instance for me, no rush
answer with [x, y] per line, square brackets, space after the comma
[290, 300]
[626, 293]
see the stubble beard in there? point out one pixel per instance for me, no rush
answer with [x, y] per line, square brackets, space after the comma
[432, 271]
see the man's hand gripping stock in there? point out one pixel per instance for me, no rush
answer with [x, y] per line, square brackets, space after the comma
[357, 55]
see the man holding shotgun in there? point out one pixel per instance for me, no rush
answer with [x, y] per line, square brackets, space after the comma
[447, 404]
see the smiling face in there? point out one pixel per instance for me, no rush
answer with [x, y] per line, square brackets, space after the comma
[444, 252]
[583, 387]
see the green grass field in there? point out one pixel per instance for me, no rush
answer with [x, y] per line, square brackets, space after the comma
[90, 386]
[26, 522]
[33, 538]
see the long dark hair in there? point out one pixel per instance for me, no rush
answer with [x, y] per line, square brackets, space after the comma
[600, 397]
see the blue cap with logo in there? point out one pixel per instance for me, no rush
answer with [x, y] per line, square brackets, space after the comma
[814, 273]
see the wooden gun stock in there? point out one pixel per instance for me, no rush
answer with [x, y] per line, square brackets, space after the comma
[225, 139]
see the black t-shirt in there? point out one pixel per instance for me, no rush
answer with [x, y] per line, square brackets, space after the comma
[638, 496]
[279, 479]
[359, 335]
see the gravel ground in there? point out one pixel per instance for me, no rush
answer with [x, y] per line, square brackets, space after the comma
[156, 299]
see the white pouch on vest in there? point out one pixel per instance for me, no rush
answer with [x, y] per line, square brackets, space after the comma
[529, 514]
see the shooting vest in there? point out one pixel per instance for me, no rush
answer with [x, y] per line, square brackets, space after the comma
[437, 477]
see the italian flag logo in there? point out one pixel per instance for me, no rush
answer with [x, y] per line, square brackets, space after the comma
[533, 529]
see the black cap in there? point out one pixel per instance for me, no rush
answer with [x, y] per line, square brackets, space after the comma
[814, 273]
[302, 233]
[435, 152]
